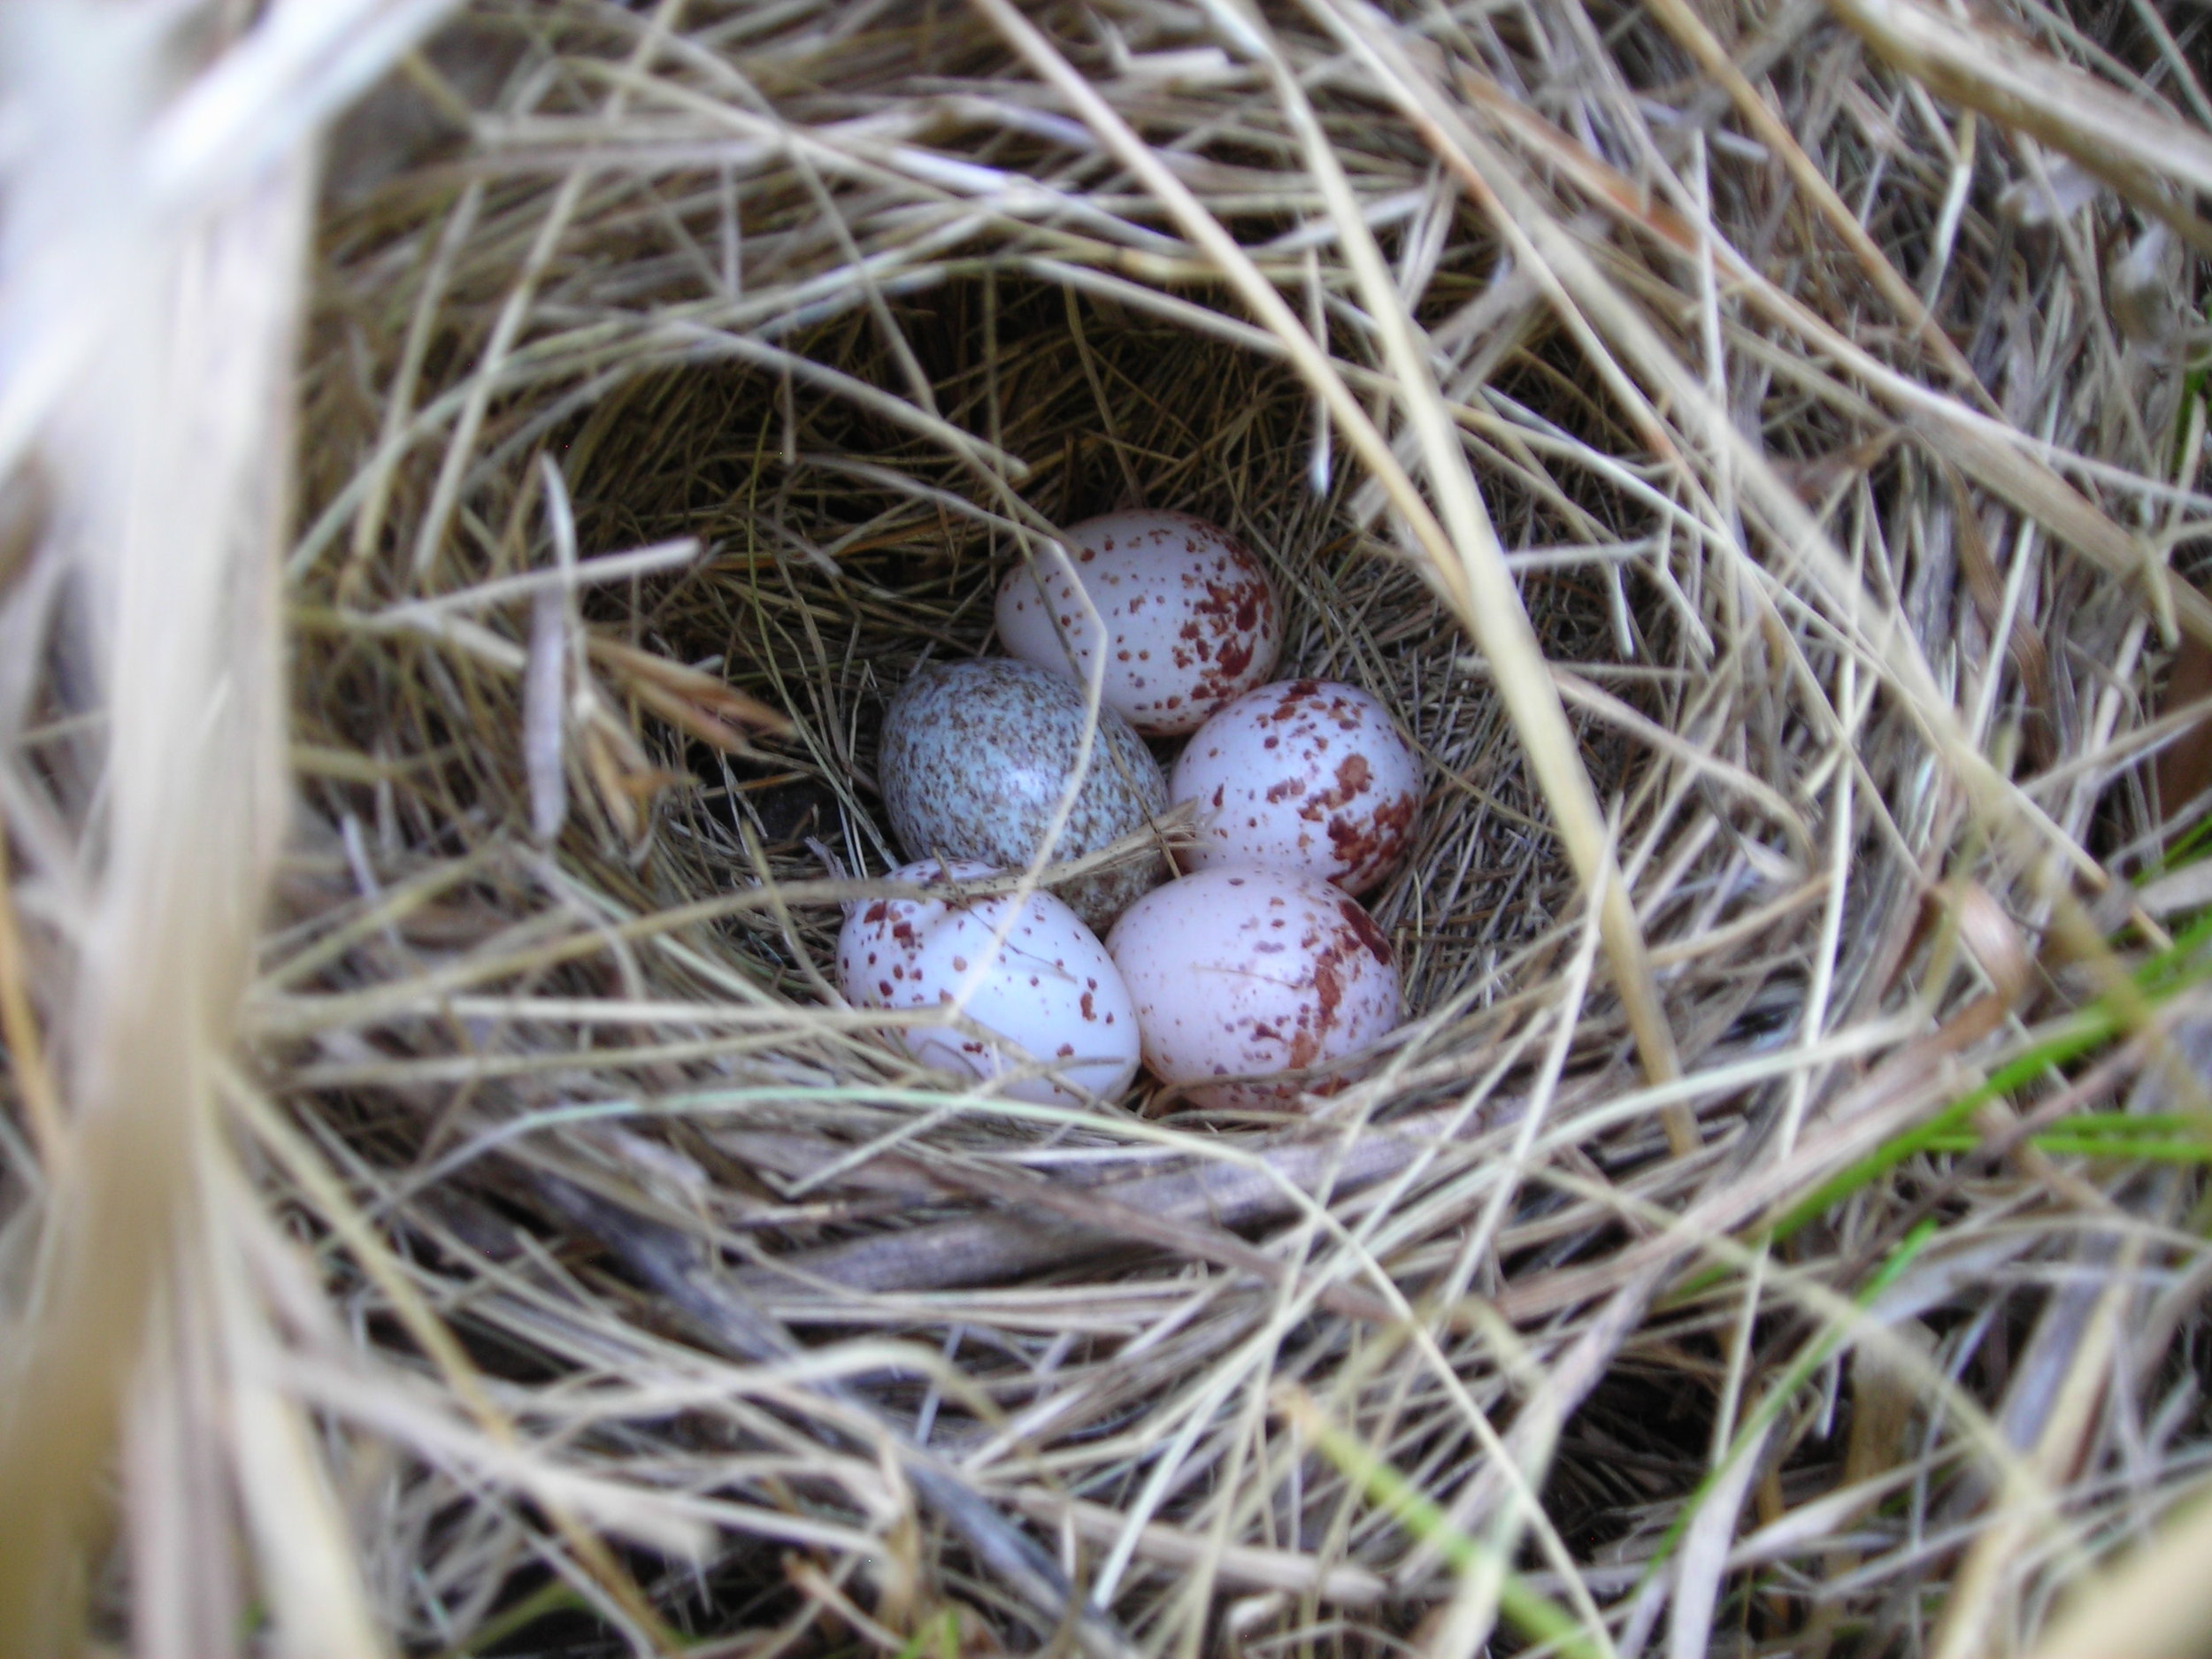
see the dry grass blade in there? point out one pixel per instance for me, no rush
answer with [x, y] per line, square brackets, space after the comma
[162, 449]
[1993, 69]
[1683, 23]
[2154, 1602]
[667, 1261]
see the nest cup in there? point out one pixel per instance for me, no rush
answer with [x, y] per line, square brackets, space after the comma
[842, 545]
[677, 382]
[870, 551]
[859, 461]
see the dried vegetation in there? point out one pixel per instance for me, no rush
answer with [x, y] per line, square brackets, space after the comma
[1753, 447]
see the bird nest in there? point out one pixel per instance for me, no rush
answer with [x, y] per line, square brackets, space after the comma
[1746, 454]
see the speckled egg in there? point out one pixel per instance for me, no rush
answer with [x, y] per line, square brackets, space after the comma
[1303, 774]
[1245, 971]
[1187, 618]
[1048, 1001]
[976, 756]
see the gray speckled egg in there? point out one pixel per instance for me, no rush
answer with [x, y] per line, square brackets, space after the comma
[976, 756]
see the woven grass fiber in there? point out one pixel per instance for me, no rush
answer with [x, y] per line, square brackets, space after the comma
[469, 484]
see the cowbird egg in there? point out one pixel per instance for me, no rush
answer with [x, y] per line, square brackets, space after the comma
[1245, 971]
[1303, 774]
[1187, 618]
[976, 756]
[1048, 996]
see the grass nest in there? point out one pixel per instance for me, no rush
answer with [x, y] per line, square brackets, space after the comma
[1753, 449]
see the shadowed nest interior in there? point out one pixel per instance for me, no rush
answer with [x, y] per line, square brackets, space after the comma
[679, 378]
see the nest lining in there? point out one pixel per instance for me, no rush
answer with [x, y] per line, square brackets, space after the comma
[911, 580]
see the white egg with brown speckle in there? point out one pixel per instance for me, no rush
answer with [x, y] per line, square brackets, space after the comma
[977, 757]
[1303, 774]
[1245, 973]
[1044, 1002]
[1185, 618]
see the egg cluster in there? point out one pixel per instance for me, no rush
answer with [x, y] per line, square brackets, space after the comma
[1257, 962]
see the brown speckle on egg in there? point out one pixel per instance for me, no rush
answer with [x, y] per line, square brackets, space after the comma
[1010, 1016]
[1223, 990]
[1307, 774]
[1159, 581]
